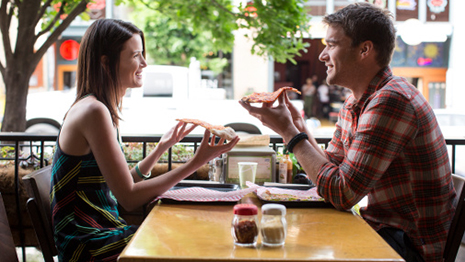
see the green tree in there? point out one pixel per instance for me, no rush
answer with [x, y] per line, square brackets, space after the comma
[23, 47]
[170, 42]
[276, 26]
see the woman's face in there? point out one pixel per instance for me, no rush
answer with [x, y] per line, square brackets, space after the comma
[132, 62]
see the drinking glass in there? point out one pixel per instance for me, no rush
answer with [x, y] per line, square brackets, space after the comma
[247, 172]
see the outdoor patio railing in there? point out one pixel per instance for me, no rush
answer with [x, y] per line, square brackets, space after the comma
[36, 146]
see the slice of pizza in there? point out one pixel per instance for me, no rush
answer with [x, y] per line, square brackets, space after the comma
[268, 97]
[224, 132]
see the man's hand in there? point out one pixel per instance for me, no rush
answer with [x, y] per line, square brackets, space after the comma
[297, 118]
[279, 118]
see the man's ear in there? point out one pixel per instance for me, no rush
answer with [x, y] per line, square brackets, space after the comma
[366, 48]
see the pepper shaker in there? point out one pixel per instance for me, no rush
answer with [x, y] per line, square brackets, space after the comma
[244, 226]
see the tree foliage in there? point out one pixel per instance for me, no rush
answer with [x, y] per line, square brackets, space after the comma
[276, 26]
[170, 42]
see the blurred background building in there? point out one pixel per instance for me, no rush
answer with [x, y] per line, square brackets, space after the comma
[428, 52]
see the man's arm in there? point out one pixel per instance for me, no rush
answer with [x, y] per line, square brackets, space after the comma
[310, 158]
[384, 128]
[285, 120]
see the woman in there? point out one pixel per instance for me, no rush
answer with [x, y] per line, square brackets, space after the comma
[90, 172]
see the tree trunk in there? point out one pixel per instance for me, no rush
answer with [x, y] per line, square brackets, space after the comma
[16, 89]
[20, 63]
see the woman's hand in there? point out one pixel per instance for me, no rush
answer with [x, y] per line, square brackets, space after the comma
[209, 150]
[174, 135]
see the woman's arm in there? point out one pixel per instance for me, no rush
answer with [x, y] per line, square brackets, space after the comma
[173, 136]
[101, 136]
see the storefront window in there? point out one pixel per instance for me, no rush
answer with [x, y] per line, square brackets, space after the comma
[339, 4]
[437, 10]
[406, 9]
[433, 54]
[316, 7]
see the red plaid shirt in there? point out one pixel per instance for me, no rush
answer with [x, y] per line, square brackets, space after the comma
[388, 146]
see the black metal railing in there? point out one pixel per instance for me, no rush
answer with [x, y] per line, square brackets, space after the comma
[39, 144]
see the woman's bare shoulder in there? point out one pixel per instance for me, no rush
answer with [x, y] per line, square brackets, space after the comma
[89, 109]
[85, 119]
[89, 115]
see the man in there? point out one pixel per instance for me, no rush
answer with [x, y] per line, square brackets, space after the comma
[387, 144]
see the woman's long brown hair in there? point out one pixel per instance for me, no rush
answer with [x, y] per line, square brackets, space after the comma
[98, 76]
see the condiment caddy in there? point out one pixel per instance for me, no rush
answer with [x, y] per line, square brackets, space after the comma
[245, 227]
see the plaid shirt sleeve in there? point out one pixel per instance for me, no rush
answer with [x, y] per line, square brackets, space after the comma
[388, 146]
[336, 155]
[387, 124]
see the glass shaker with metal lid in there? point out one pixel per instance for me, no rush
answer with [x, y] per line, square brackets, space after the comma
[244, 226]
[273, 225]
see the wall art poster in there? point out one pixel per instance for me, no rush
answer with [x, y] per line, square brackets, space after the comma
[437, 6]
[406, 4]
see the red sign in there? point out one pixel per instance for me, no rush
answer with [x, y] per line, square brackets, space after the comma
[69, 50]
[250, 9]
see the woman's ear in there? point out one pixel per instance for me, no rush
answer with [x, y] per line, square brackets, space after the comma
[104, 61]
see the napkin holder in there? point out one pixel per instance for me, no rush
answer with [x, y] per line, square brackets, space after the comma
[263, 155]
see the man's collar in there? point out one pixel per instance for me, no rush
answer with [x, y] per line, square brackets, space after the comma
[383, 76]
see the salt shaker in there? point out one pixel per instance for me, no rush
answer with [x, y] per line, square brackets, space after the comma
[273, 225]
[244, 226]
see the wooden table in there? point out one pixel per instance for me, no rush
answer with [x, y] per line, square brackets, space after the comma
[175, 232]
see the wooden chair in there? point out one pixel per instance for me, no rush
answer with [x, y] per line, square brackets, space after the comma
[7, 245]
[457, 227]
[37, 186]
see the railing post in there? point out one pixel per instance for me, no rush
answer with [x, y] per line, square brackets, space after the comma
[18, 204]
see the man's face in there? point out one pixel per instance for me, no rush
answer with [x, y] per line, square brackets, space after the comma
[340, 58]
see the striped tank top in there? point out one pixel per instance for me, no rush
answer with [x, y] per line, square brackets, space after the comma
[85, 216]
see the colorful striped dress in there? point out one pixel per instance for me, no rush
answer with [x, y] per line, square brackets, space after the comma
[85, 217]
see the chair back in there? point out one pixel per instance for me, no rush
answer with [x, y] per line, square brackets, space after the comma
[37, 185]
[7, 245]
[244, 128]
[457, 227]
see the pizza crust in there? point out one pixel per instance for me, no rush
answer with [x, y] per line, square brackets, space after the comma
[228, 133]
[268, 97]
[223, 132]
